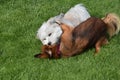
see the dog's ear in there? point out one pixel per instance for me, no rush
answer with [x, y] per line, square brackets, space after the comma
[42, 55]
[65, 27]
[58, 22]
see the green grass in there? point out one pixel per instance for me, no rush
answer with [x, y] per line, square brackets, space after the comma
[19, 21]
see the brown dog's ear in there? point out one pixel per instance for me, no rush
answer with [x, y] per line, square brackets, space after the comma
[63, 26]
[42, 55]
[66, 28]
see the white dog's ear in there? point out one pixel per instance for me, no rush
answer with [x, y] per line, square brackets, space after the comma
[58, 22]
[59, 18]
[61, 15]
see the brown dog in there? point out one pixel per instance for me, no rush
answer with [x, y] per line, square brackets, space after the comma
[91, 33]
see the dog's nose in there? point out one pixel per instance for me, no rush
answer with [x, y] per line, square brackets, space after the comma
[49, 43]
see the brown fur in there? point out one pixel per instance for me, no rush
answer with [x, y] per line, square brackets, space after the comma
[90, 33]
[46, 52]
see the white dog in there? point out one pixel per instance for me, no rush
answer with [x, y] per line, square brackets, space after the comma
[49, 33]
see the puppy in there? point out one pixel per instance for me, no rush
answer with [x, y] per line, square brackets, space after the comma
[49, 33]
[91, 33]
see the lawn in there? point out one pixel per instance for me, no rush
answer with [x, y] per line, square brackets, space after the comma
[19, 22]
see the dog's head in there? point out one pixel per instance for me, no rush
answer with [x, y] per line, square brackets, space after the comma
[50, 32]
[49, 51]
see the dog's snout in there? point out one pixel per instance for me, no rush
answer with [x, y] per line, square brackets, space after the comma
[49, 43]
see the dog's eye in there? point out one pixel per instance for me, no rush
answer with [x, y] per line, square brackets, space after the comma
[44, 39]
[49, 34]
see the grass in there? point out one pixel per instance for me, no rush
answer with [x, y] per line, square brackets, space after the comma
[19, 21]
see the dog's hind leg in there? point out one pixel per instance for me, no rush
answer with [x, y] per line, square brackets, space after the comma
[100, 42]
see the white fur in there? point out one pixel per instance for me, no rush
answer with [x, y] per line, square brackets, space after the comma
[73, 17]
[50, 27]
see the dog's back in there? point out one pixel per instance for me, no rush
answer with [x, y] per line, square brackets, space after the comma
[75, 15]
[89, 32]
[92, 32]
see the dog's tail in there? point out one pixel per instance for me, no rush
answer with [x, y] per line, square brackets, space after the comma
[113, 23]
